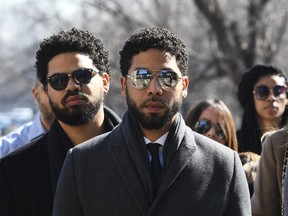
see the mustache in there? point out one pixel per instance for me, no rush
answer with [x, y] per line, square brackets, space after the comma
[154, 98]
[73, 93]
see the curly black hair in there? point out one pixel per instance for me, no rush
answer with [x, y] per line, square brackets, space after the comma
[249, 137]
[74, 40]
[157, 38]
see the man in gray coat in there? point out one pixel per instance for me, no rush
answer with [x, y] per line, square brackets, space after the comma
[119, 173]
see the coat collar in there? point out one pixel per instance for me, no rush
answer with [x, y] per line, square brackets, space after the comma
[130, 155]
[59, 144]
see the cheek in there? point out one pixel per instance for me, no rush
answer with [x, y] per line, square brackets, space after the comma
[258, 106]
[282, 106]
[54, 96]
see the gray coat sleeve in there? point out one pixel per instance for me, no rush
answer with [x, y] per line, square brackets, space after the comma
[239, 201]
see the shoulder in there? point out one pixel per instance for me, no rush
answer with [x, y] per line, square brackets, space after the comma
[20, 132]
[277, 137]
[97, 142]
[27, 153]
[210, 145]
[213, 150]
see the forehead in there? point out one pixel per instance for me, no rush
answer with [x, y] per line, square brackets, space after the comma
[270, 80]
[154, 59]
[210, 113]
[68, 62]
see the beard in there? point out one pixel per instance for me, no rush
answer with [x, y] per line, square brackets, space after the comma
[79, 114]
[46, 111]
[153, 121]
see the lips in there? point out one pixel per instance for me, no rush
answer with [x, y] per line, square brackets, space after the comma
[75, 100]
[271, 107]
[154, 106]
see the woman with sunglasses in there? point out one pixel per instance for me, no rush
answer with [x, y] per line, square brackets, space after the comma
[213, 119]
[263, 95]
[210, 114]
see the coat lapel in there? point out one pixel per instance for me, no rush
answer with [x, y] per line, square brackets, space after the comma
[132, 167]
[130, 155]
[182, 157]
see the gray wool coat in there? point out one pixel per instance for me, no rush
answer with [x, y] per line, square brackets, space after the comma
[109, 176]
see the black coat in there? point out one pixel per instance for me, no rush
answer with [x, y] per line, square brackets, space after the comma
[29, 175]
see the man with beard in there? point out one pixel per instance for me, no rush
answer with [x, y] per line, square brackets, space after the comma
[74, 70]
[179, 172]
[33, 129]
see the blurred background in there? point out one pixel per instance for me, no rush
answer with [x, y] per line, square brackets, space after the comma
[223, 39]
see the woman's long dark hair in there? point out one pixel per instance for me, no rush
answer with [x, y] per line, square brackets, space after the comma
[249, 136]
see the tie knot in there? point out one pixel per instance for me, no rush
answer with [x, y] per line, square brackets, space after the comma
[153, 148]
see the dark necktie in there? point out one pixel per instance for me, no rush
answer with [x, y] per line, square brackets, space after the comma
[155, 165]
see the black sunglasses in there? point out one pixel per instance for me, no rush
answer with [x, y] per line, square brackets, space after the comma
[142, 77]
[203, 126]
[262, 92]
[81, 76]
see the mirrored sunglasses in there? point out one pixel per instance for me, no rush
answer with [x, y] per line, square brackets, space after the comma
[81, 76]
[141, 78]
[203, 126]
[262, 92]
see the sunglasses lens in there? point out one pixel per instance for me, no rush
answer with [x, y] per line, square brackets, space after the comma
[202, 126]
[219, 132]
[58, 81]
[82, 76]
[280, 91]
[262, 92]
[141, 78]
[168, 78]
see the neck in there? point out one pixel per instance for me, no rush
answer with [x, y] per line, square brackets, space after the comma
[45, 123]
[81, 133]
[268, 124]
[155, 134]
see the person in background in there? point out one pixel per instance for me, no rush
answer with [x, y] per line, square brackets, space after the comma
[152, 163]
[213, 119]
[268, 194]
[262, 93]
[74, 69]
[31, 130]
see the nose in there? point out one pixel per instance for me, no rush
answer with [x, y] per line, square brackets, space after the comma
[154, 87]
[271, 96]
[71, 85]
[210, 133]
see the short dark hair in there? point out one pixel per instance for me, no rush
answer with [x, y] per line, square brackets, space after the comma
[157, 38]
[74, 40]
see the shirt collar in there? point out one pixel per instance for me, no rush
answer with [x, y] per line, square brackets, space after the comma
[160, 140]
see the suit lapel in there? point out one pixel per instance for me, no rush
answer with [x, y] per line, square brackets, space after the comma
[134, 171]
